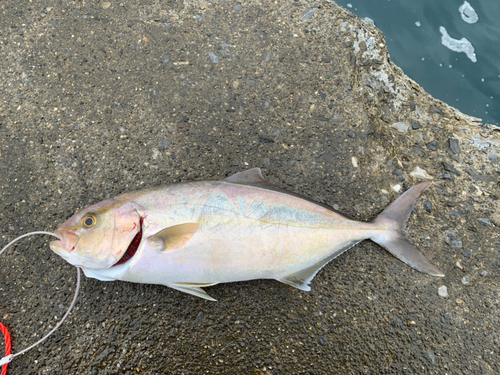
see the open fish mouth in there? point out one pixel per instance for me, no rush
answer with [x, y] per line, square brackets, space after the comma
[132, 248]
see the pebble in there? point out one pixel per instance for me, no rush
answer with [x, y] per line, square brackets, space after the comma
[466, 279]
[453, 240]
[443, 291]
[431, 356]
[432, 146]
[351, 134]
[435, 109]
[199, 317]
[428, 206]
[214, 57]
[454, 145]
[414, 125]
[421, 173]
[308, 14]
[418, 151]
[485, 222]
[401, 127]
[450, 168]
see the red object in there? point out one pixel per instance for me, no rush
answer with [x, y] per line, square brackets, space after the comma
[7, 346]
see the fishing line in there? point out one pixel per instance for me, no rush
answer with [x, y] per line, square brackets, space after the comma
[9, 357]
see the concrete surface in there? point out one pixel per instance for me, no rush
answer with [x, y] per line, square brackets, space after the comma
[99, 98]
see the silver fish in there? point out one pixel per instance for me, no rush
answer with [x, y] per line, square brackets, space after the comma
[192, 235]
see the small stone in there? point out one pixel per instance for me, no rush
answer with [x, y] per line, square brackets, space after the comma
[199, 317]
[454, 145]
[431, 357]
[351, 134]
[486, 222]
[266, 57]
[414, 125]
[214, 57]
[418, 151]
[432, 146]
[446, 176]
[466, 279]
[322, 95]
[467, 254]
[106, 5]
[435, 109]
[337, 119]
[266, 162]
[323, 340]
[428, 206]
[443, 291]
[401, 127]
[451, 168]
[493, 158]
[308, 14]
[453, 240]
[238, 7]
[421, 173]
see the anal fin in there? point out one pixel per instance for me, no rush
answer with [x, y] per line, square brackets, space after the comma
[193, 288]
[301, 279]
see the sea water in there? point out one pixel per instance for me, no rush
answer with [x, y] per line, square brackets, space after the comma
[450, 47]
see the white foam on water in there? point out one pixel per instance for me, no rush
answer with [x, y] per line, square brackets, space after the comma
[462, 45]
[418, 24]
[468, 13]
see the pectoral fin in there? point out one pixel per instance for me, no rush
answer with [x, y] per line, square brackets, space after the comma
[194, 289]
[173, 238]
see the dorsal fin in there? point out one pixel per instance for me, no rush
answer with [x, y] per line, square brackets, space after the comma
[248, 177]
[253, 177]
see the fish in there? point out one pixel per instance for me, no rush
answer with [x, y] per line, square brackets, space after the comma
[192, 235]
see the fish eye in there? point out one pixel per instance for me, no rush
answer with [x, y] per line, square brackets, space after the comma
[89, 221]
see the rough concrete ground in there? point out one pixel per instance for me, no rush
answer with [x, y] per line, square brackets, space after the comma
[99, 98]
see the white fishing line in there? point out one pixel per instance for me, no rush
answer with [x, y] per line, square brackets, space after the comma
[9, 358]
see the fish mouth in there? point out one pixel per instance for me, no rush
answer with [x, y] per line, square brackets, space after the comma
[66, 243]
[132, 248]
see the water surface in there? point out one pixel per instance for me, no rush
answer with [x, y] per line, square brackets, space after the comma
[450, 47]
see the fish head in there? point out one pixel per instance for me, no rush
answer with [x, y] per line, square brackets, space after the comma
[99, 236]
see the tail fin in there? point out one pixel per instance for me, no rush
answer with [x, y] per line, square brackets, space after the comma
[394, 218]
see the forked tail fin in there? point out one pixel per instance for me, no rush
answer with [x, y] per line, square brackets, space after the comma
[394, 239]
